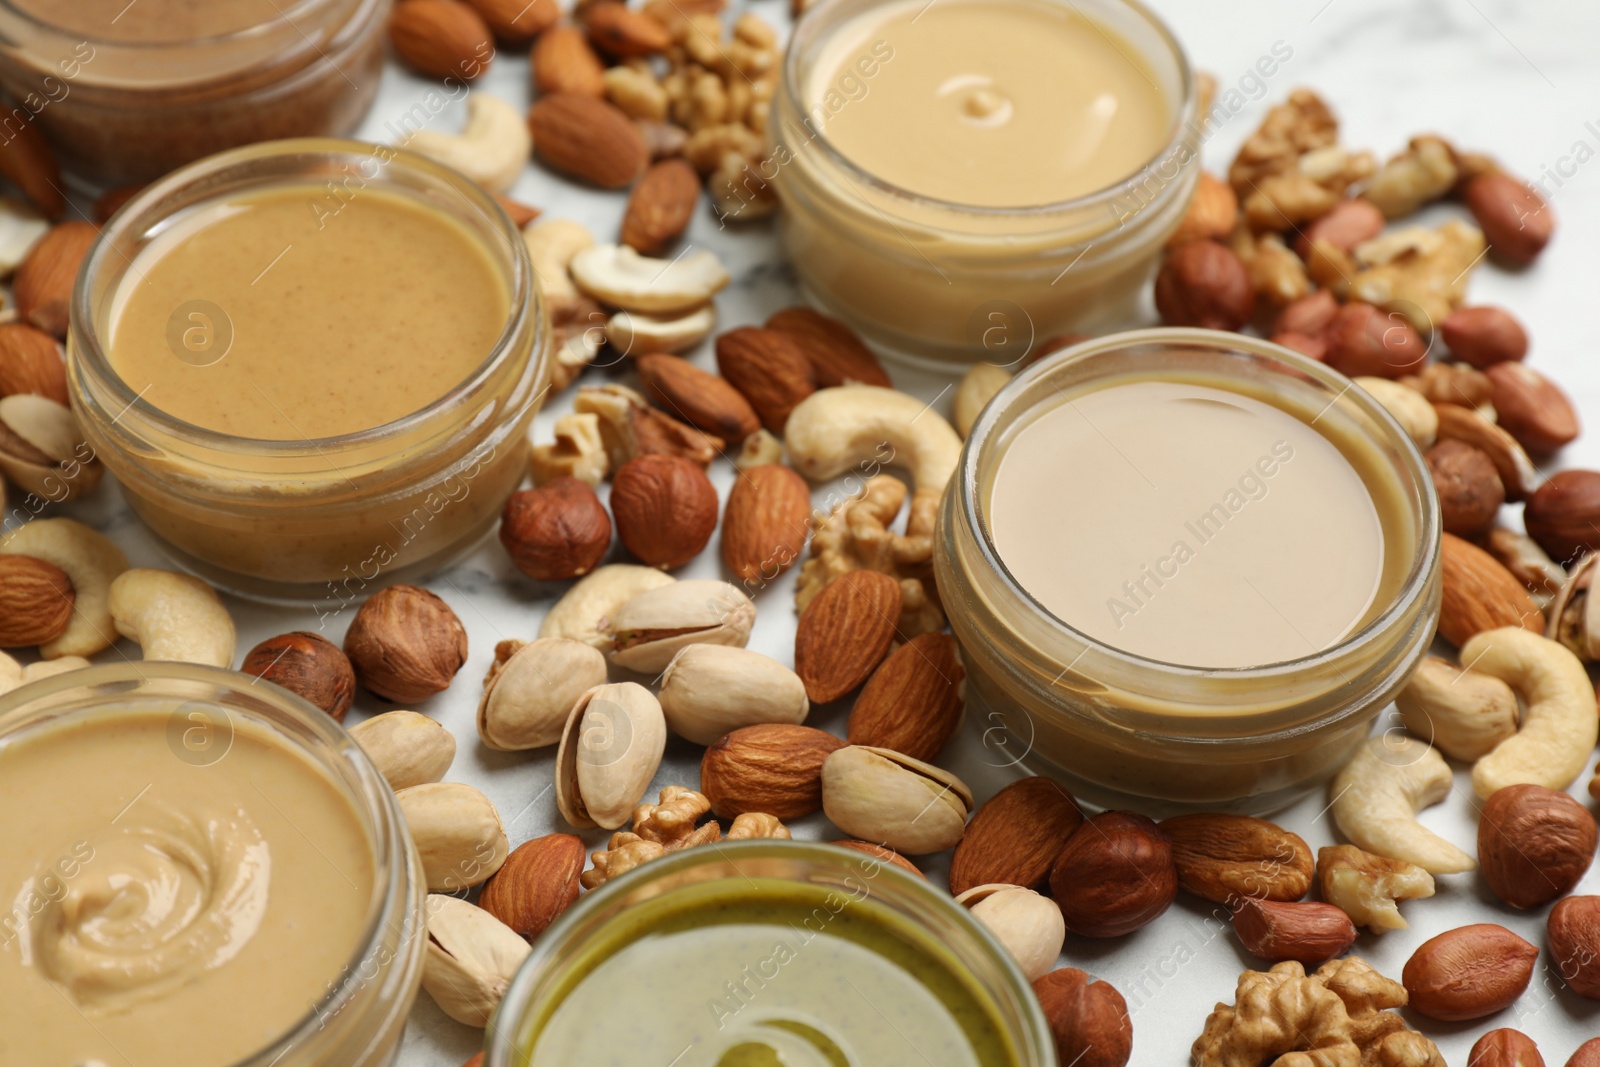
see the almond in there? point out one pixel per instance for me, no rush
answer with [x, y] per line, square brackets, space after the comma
[661, 206]
[836, 354]
[766, 523]
[36, 601]
[1228, 859]
[666, 509]
[1212, 212]
[1480, 594]
[43, 283]
[1484, 336]
[441, 38]
[517, 21]
[913, 701]
[845, 632]
[28, 163]
[699, 398]
[563, 62]
[1514, 218]
[1016, 836]
[1532, 408]
[1468, 972]
[30, 362]
[623, 33]
[1563, 514]
[1286, 930]
[775, 768]
[769, 369]
[588, 138]
[880, 852]
[537, 882]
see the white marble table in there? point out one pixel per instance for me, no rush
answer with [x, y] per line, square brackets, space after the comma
[1518, 80]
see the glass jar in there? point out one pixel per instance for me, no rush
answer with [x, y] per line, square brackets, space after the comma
[953, 284]
[359, 1021]
[1125, 731]
[132, 105]
[316, 519]
[904, 904]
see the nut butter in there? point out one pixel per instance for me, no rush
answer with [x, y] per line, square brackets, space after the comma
[190, 856]
[955, 172]
[310, 364]
[1187, 568]
[129, 91]
[768, 952]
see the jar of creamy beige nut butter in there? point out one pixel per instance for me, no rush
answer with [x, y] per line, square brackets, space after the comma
[963, 177]
[1188, 569]
[198, 871]
[127, 91]
[310, 364]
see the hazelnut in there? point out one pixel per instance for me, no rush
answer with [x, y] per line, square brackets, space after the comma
[1534, 844]
[1563, 514]
[1531, 408]
[1366, 341]
[307, 665]
[1088, 1019]
[1470, 493]
[666, 509]
[1484, 336]
[406, 644]
[1505, 1048]
[555, 532]
[1293, 930]
[1115, 874]
[1573, 932]
[1203, 283]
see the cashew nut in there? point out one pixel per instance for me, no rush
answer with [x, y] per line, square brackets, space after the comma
[491, 149]
[1463, 713]
[1410, 408]
[14, 674]
[172, 617]
[551, 245]
[597, 595]
[977, 388]
[635, 333]
[1377, 795]
[91, 561]
[619, 276]
[833, 430]
[1560, 723]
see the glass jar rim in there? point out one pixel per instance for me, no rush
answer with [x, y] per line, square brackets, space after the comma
[374, 802]
[295, 8]
[1413, 588]
[526, 300]
[1174, 145]
[550, 948]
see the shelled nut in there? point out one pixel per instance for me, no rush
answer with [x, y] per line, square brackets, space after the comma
[774, 768]
[537, 882]
[308, 665]
[1469, 972]
[1228, 859]
[1534, 844]
[405, 644]
[1114, 876]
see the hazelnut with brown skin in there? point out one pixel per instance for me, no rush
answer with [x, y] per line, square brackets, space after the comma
[1089, 1020]
[307, 665]
[405, 644]
[555, 532]
[1115, 875]
[1470, 493]
[666, 509]
[1204, 284]
[1534, 844]
[1563, 514]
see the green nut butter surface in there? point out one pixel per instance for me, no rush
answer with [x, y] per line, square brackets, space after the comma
[766, 973]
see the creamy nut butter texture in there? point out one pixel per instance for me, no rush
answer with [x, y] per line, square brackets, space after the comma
[1190, 524]
[995, 103]
[294, 313]
[160, 911]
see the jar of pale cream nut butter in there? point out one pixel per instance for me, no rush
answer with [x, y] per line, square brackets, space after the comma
[198, 871]
[310, 364]
[963, 177]
[1188, 569]
[127, 91]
